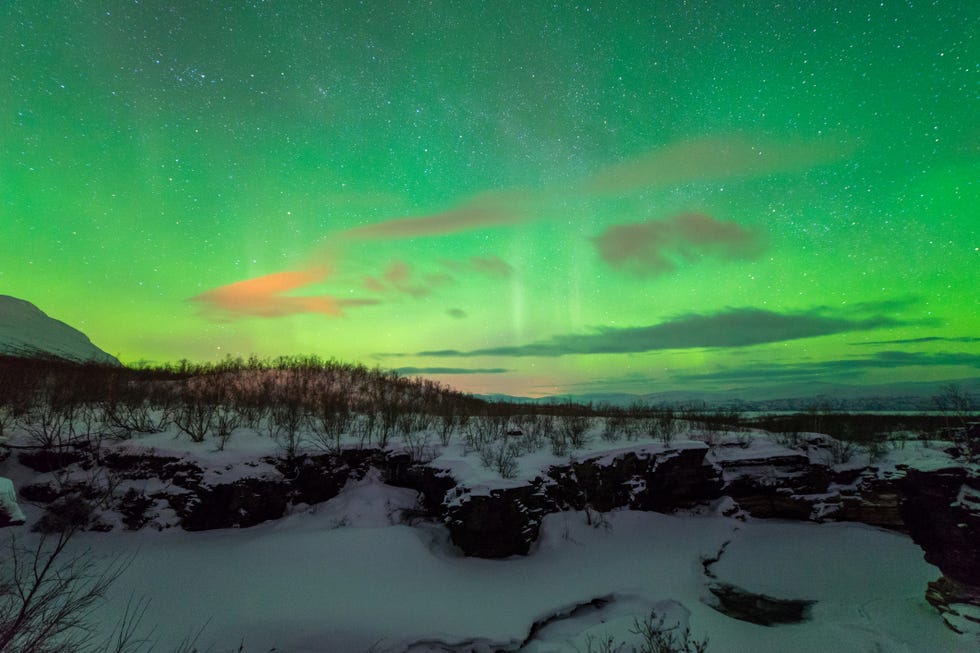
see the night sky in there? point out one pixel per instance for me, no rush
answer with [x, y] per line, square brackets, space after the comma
[519, 197]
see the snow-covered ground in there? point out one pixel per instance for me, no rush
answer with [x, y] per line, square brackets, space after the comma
[351, 575]
[345, 576]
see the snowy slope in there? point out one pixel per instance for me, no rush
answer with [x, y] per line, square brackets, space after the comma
[27, 331]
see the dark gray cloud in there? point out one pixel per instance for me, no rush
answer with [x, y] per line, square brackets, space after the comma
[410, 371]
[657, 246]
[918, 341]
[741, 327]
[836, 368]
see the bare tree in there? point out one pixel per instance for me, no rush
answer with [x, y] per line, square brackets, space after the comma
[47, 596]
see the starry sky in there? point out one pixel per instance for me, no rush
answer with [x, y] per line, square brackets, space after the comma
[520, 197]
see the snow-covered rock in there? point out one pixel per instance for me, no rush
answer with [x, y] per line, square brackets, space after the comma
[10, 513]
[27, 331]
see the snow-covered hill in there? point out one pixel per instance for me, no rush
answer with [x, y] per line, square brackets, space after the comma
[25, 330]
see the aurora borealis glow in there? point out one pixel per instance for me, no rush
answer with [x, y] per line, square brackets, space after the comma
[514, 197]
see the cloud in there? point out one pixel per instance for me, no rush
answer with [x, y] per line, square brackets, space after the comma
[710, 158]
[409, 371]
[654, 247]
[266, 296]
[398, 276]
[457, 313]
[481, 212]
[488, 266]
[916, 341]
[741, 327]
[837, 368]
[491, 266]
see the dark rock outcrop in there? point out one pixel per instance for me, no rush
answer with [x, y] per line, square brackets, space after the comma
[498, 525]
[942, 512]
[793, 487]
[241, 504]
[506, 522]
[433, 485]
[757, 608]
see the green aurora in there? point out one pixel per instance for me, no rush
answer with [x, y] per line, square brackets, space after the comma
[519, 197]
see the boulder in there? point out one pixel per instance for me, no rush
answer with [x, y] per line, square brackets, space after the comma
[10, 512]
[757, 608]
[958, 603]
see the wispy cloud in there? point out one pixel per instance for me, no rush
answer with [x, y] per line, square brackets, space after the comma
[266, 296]
[410, 371]
[741, 327]
[481, 212]
[488, 266]
[711, 158]
[655, 247]
[399, 276]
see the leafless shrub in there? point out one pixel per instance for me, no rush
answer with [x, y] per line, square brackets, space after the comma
[499, 455]
[48, 595]
[657, 637]
[615, 426]
[559, 443]
[46, 425]
[841, 451]
[663, 426]
[574, 429]
[226, 420]
[330, 418]
[418, 447]
[286, 421]
[196, 418]
[484, 429]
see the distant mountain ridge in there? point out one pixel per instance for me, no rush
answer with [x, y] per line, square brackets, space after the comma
[25, 330]
[916, 396]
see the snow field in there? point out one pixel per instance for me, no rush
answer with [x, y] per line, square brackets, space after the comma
[342, 577]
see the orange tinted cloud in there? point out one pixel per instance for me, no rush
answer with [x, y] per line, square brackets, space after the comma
[266, 296]
[710, 158]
